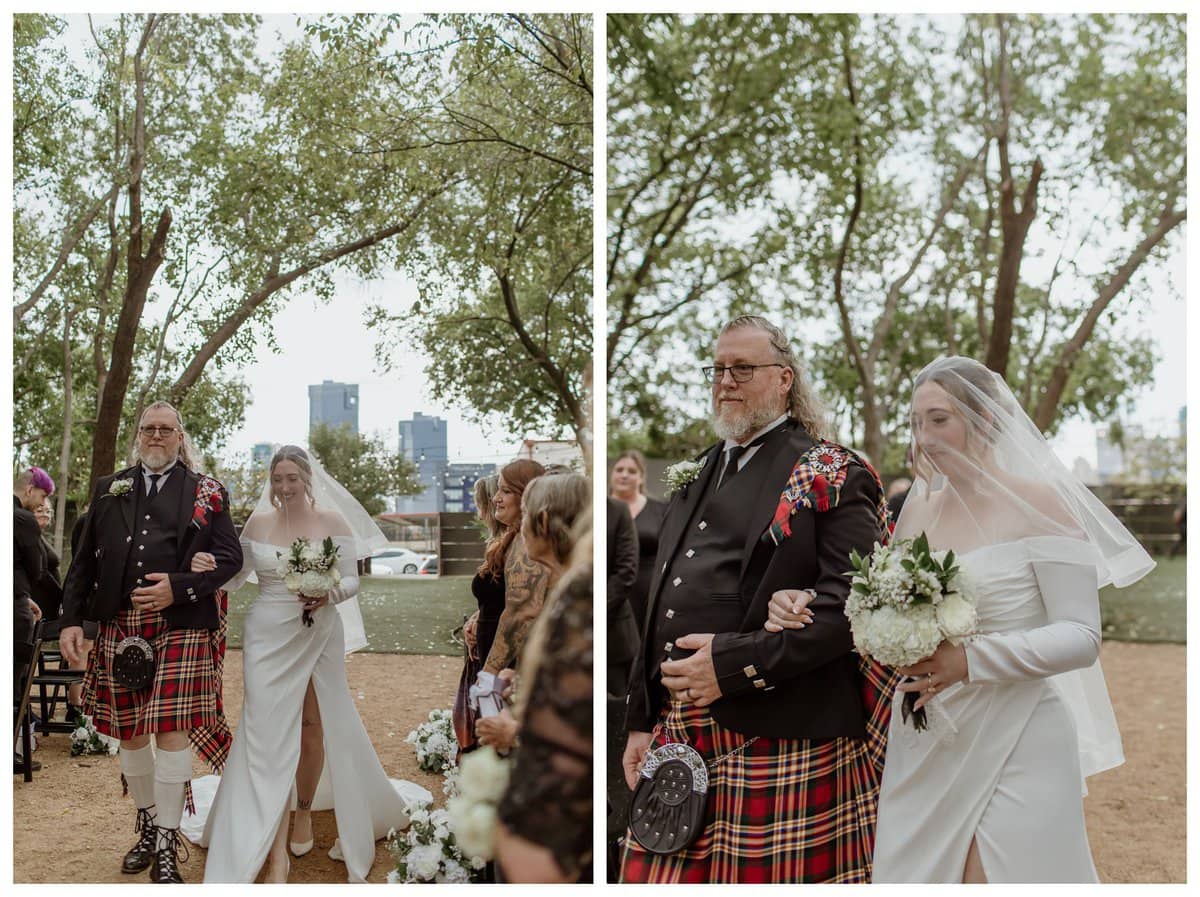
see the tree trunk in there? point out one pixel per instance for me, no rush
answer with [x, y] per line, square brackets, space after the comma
[64, 458]
[1047, 408]
[140, 271]
[1014, 222]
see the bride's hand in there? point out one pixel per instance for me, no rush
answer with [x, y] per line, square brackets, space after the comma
[309, 603]
[788, 609]
[202, 562]
[947, 665]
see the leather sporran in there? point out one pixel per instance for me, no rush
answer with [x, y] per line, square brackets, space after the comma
[667, 811]
[133, 663]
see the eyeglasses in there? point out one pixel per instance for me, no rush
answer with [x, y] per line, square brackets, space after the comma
[741, 373]
[158, 431]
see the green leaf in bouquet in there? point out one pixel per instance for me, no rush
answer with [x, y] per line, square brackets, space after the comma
[861, 588]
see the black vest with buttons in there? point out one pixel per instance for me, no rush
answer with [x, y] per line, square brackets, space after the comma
[700, 589]
[155, 539]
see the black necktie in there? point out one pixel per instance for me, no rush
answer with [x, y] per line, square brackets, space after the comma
[154, 478]
[734, 454]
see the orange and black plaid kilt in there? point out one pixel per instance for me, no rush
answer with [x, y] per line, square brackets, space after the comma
[783, 810]
[184, 694]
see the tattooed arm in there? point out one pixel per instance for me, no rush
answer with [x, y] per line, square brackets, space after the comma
[525, 583]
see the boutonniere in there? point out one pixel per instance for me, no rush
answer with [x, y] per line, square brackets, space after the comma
[121, 487]
[678, 476]
[208, 499]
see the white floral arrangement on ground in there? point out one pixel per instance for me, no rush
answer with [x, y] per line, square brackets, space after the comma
[310, 571]
[428, 851]
[679, 475]
[904, 601]
[482, 778]
[86, 740]
[435, 742]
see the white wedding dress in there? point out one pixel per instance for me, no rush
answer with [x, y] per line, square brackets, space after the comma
[1005, 753]
[280, 657]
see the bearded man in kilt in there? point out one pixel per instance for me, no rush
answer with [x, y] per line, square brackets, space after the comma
[131, 572]
[790, 724]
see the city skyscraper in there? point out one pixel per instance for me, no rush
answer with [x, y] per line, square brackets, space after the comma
[423, 441]
[333, 403]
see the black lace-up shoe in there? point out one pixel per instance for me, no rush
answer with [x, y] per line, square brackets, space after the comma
[142, 855]
[166, 858]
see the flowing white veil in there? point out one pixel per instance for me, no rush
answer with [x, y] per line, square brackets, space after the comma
[344, 517]
[986, 477]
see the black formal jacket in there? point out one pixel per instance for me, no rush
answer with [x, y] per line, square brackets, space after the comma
[94, 588]
[29, 562]
[799, 683]
[623, 637]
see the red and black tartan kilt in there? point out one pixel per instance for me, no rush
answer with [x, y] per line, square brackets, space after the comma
[186, 687]
[783, 810]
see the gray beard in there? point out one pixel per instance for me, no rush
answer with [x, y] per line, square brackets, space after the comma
[733, 425]
[156, 459]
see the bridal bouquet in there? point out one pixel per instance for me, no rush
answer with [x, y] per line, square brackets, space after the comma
[310, 571]
[428, 851]
[435, 741]
[904, 601]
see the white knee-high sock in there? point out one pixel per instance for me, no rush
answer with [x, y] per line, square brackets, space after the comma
[137, 765]
[172, 771]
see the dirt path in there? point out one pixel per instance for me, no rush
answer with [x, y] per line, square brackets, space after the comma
[72, 825]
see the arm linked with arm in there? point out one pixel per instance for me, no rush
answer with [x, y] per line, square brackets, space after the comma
[778, 656]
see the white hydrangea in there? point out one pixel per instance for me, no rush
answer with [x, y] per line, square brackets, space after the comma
[956, 616]
[314, 583]
[484, 775]
[897, 638]
[474, 826]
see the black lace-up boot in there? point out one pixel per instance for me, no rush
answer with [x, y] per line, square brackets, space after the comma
[166, 858]
[142, 855]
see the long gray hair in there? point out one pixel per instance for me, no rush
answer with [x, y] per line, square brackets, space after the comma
[188, 455]
[803, 405]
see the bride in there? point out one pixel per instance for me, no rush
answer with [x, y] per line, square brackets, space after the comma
[1018, 714]
[286, 665]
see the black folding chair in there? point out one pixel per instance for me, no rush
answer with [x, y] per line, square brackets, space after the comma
[28, 653]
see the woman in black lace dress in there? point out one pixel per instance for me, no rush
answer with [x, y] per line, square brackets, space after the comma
[545, 829]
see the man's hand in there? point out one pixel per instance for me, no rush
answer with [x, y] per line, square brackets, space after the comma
[34, 609]
[156, 596]
[635, 754]
[694, 679]
[70, 641]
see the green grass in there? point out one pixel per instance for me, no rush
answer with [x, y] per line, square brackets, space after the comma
[1154, 609]
[401, 615]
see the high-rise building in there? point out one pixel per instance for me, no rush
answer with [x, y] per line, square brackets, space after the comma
[423, 442]
[335, 404]
[458, 489]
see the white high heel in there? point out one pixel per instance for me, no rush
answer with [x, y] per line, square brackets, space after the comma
[335, 852]
[300, 848]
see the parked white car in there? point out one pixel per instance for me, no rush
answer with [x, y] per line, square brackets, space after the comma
[391, 561]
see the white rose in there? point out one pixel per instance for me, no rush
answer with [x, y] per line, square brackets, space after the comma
[956, 616]
[474, 826]
[454, 872]
[313, 584]
[80, 734]
[484, 775]
[425, 861]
